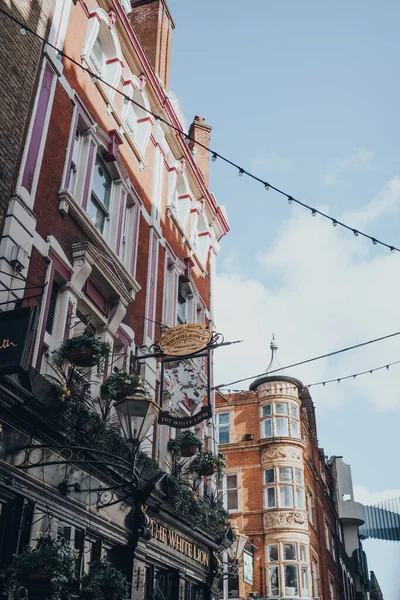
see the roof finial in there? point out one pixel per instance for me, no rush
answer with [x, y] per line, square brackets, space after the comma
[273, 363]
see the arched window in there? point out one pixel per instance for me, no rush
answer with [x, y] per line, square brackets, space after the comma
[102, 51]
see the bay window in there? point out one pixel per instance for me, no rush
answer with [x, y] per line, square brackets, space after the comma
[291, 577]
[280, 419]
[273, 581]
[285, 486]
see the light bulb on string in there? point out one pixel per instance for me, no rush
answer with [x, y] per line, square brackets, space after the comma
[214, 157]
[334, 223]
[94, 77]
[374, 241]
[187, 139]
[241, 172]
[289, 199]
[23, 31]
[391, 248]
[355, 232]
[387, 366]
[266, 187]
[59, 55]
[313, 212]
[126, 100]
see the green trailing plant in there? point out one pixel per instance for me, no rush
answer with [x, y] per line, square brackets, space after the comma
[50, 563]
[185, 444]
[208, 463]
[197, 510]
[104, 582]
[84, 350]
[119, 385]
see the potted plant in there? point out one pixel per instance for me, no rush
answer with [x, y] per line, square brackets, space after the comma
[185, 444]
[50, 566]
[104, 582]
[85, 350]
[208, 463]
[119, 385]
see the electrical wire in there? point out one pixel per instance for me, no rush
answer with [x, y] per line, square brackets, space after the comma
[188, 139]
[308, 360]
[323, 383]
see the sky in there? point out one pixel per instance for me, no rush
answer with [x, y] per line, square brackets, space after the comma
[306, 95]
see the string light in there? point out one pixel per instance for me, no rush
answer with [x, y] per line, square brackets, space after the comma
[266, 186]
[214, 157]
[313, 212]
[309, 360]
[94, 77]
[59, 55]
[126, 100]
[24, 29]
[355, 232]
[335, 380]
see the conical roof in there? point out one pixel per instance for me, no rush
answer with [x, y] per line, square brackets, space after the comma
[274, 367]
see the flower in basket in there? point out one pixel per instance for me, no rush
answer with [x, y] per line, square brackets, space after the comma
[185, 444]
[208, 463]
[119, 385]
[51, 564]
[84, 350]
[104, 582]
[63, 392]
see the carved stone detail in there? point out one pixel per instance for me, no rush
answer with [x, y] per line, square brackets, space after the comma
[286, 518]
[276, 452]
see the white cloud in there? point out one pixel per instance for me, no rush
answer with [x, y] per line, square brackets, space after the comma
[338, 168]
[319, 290]
[363, 495]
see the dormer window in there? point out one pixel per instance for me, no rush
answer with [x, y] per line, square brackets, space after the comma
[99, 204]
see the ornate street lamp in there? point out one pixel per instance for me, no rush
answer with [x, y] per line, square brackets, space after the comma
[137, 414]
[235, 550]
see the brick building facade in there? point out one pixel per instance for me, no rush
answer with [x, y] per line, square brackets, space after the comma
[109, 226]
[283, 493]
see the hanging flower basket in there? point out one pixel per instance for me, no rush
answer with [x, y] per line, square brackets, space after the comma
[208, 463]
[119, 385]
[50, 566]
[104, 582]
[85, 350]
[185, 444]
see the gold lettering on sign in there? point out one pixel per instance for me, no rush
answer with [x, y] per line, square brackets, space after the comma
[175, 541]
[6, 344]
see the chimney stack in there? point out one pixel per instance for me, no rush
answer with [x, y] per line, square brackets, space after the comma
[200, 132]
[153, 25]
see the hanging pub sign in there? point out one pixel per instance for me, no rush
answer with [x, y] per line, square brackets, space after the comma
[184, 339]
[166, 418]
[16, 335]
[186, 375]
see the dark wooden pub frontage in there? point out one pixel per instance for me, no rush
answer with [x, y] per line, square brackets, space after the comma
[62, 474]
